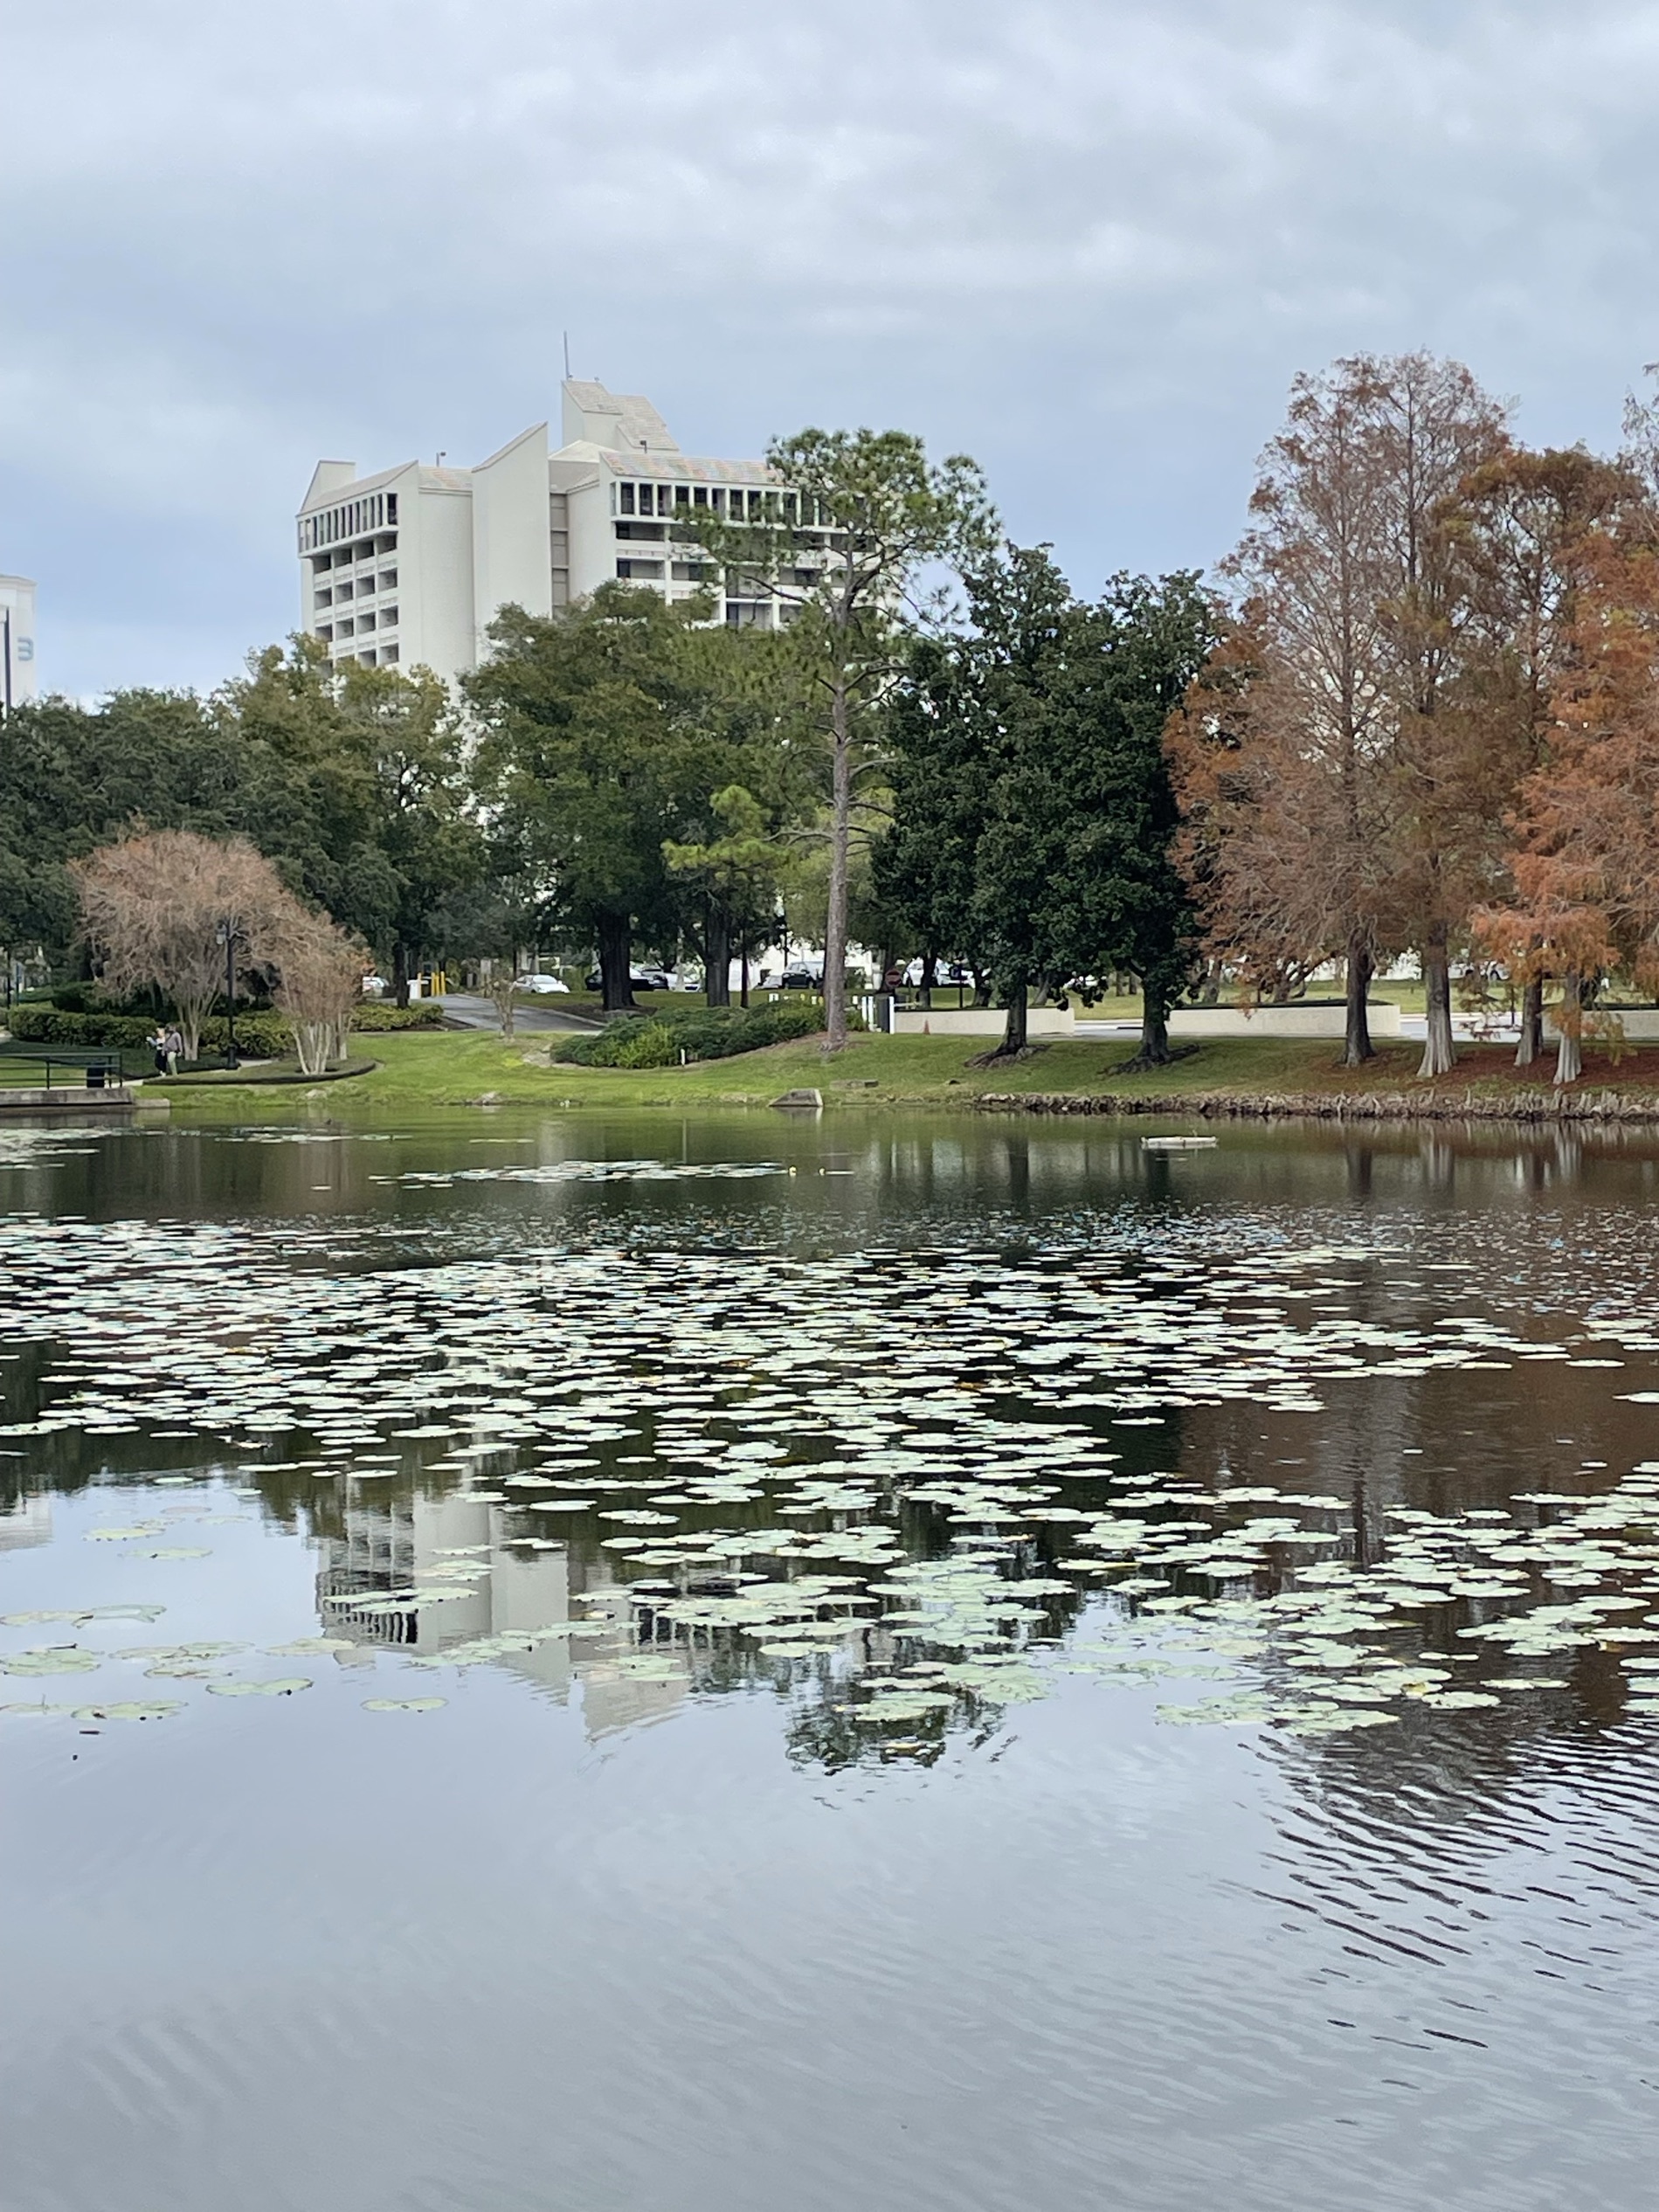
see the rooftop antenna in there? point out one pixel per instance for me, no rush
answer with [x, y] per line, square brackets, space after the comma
[567, 356]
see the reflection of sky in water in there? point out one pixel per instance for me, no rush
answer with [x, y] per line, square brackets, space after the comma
[911, 1525]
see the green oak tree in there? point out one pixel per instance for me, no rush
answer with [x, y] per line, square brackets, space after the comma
[1033, 814]
[843, 545]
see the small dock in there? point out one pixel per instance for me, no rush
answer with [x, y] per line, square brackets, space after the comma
[63, 1098]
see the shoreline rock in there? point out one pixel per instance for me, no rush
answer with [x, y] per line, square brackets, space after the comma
[1382, 1106]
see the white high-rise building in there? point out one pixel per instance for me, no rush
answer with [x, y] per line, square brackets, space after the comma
[16, 641]
[410, 566]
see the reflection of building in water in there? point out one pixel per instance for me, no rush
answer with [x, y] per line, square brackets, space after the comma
[458, 1545]
[27, 1522]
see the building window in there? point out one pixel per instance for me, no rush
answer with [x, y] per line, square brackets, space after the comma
[389, 579]
[640, 571]
[387, 654]
[367, 659]
[627, 499]
[343, 629]
[325, 599]
[691, 571]
[700, 497]
[747, 614]
[392, 506]
[325, 630]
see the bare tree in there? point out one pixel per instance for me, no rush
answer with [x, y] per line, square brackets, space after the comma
[166, 910]
[502, 991]
[319, 980]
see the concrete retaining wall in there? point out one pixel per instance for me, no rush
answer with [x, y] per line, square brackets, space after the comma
[980, 1021]
[1307, 1019]
[1640, 1024]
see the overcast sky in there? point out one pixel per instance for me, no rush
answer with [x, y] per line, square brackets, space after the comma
[1088, 242]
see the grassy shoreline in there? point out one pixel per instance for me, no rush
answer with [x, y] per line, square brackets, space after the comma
[1222, 1076]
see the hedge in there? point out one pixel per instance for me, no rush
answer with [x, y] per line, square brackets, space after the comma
[702, 1033]
[260, 1036]
[428, 1013]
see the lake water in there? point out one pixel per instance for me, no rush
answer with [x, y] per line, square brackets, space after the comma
[939, 1664]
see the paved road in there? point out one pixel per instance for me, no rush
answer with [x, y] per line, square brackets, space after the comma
[479, 1014]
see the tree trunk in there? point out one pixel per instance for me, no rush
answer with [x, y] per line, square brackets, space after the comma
[1532, 1043]
[191, 1012]
[1013, 1030]
[1439, 1057]
[400, 974]
[841, 842]
[1358, 1047]
[616, 953]
[1155, 1029]
[981, 988]
[1569, 1053]
[716, 967]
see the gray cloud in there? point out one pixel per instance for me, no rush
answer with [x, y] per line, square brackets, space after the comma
[1088, 243]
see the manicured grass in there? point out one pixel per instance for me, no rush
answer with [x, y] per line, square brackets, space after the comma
[456, 1069]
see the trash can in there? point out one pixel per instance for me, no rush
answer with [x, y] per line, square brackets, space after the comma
[96, 1076]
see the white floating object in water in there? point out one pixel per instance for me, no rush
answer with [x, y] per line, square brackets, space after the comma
[1178, 1143]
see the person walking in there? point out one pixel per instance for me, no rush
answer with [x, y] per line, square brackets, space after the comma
[157, 1042]
[173, 1047]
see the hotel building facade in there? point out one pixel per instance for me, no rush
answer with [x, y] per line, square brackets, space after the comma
[16, 641]
[410, 567]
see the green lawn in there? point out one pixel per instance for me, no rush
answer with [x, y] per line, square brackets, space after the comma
[459, 1067]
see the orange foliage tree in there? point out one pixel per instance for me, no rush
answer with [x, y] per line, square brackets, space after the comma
[1324, 782]
[1585, 861]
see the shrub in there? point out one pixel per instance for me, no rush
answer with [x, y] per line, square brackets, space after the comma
[427, 1013]
[260, 1036]
[702, 1033]
[39, 1025]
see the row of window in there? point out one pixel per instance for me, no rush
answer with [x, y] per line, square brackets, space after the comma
[364, 588]
[741, 614]
[374, 511]
[739, 503]
[386, 657]
[652, 571]
[350, 627]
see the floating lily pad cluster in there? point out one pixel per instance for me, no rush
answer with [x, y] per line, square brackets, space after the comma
[897, 1475]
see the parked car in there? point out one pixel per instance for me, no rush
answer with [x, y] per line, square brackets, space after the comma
[801, 980]
[541, 985]
[641, 978]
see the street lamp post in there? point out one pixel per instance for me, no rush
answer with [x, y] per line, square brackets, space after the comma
[227, 937]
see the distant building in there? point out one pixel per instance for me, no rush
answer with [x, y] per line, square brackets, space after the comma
[16, 640]
[412, 565]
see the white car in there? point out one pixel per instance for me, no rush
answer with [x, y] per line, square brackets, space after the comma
[541, 985]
